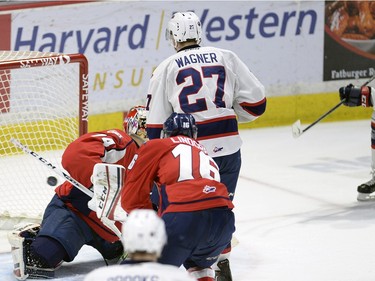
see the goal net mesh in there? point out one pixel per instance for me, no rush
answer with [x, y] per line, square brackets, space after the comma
[40, 106]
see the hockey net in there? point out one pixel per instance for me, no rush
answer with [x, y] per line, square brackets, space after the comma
[44, 105]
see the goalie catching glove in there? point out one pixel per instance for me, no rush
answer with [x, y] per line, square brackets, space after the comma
[356, 96]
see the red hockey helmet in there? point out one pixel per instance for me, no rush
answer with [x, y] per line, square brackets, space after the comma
[135, 121]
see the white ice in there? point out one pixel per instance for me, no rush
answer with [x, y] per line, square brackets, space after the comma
[296, 208]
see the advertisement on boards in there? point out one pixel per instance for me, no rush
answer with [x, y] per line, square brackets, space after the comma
[349, 48]
[280, 41]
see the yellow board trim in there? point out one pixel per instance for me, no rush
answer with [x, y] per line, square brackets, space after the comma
[285, 110]
[281, 111]
[35, 138]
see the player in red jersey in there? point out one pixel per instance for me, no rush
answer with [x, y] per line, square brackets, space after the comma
[193, 203]
[68, 223]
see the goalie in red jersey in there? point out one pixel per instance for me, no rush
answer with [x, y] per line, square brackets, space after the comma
[193, 202]
[68, 222]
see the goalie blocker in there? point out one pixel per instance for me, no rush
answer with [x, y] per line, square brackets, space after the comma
[107, 180]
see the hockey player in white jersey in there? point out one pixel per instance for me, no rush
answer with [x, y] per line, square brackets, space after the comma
[363, 96]
[213, 85]
[144, 237]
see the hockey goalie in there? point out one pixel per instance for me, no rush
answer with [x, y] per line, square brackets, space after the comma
[73, 218]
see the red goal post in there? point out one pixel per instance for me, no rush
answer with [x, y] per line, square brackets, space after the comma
[43, 104]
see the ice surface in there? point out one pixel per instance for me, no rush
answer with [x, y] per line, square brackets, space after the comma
[297, 216]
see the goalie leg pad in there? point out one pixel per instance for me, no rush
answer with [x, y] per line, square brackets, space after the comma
[16, 242]
[26, 264]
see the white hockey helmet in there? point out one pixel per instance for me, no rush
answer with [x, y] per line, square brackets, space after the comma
[144, 231]
[184, 26]
[135, 121]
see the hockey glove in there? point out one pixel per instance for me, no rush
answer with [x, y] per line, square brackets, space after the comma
[356, 96]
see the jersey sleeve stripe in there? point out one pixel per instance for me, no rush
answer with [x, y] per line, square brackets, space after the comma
[255, 109]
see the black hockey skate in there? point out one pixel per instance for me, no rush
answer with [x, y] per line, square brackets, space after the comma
[366, 191]
[224, 274]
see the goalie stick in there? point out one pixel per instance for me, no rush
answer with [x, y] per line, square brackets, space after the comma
[296, 127]
[106, 221]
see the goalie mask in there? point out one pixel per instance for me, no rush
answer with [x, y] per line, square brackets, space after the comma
[184, 26]
[135, 122]
[144, 231]
[179, 124]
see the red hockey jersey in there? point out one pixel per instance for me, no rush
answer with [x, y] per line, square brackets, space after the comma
[187, 178]
[79, 158]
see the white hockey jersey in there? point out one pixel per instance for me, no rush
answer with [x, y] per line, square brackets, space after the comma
[213, 85]
[149, 271]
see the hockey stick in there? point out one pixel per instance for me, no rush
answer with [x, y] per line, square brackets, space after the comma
[107, 222]
[52, 167]
[296, 127]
